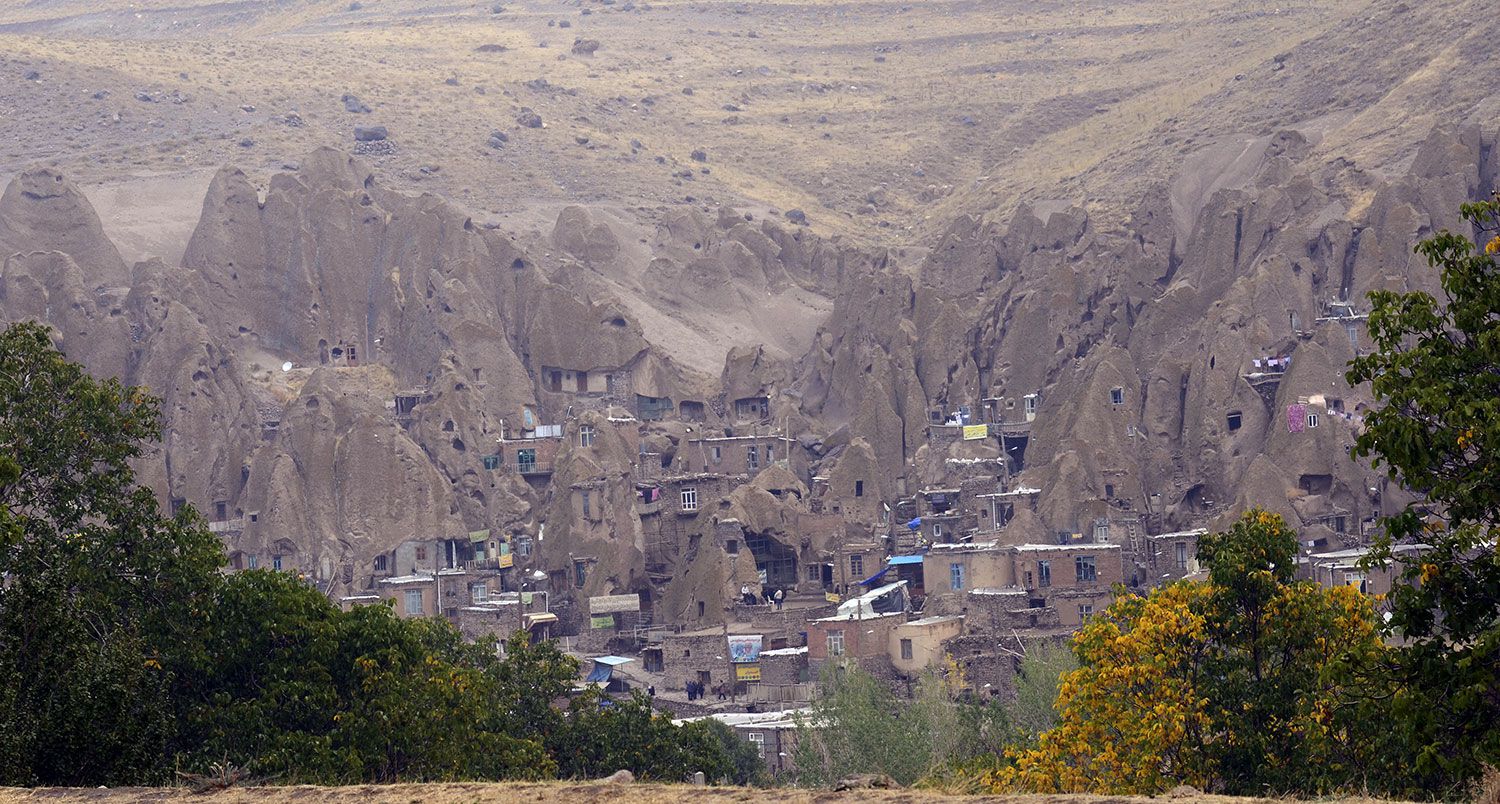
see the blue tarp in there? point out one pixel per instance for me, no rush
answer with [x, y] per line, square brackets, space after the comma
[897, 561]
[875, 577]
[600, 674]
[915, 523]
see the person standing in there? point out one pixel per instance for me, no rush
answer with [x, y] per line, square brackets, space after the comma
[780, 593]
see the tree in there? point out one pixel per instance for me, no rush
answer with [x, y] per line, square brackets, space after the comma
[1435, 374]
[100, 590]
[857, 725]
[1247, 683]
[294, 689]
[602, 735]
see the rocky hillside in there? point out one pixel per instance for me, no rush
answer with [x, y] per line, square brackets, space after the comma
[341, 360]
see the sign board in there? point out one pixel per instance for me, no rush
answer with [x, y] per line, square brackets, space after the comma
[744, 648]
[609, 604]
[602, 621]
[747, 672]
[833, 597]
[974, 432]
[507, 560]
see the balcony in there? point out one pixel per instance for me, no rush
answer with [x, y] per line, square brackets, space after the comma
[527, 468]
[227, 526]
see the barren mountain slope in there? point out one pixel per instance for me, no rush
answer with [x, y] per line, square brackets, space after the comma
[1168, 216]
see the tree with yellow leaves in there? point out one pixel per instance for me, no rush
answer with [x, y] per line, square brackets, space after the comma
[1242, 683]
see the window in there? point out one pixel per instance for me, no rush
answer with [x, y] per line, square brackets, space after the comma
[526, 460]
[718, 453]
[689, 499]
[276, 563]
[1356, 579]
[1101, 533]
[1085, 611]
[732, 546]
[1312, 420]
[587, 511]
[1044, 573]
[491, 462]
[906, 649]
[856, 566]
[580, 573]
[1117, 396]
[835, 643]
[585, 435]
[937, 531]
[700, 609]
[770, 454]
[380, 563]
[752, 457]
[522, 544]
[1084, 567]
[1233, 420]
[421, 553]
[221, 511]
[1295, 321]
[413, 601]
[859, 488]
[254, 562]
[1182, 555]
[814, 573]
[1030, 403]
[758, 740]
[956, 577]
[479, 592]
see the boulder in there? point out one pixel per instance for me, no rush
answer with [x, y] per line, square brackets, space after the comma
[370, 133]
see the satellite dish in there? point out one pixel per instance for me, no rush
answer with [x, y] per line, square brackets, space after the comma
[287, 366]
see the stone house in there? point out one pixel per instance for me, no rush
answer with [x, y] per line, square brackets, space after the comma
[918, 644]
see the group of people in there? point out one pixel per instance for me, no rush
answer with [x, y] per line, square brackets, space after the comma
[767, 597]
[697, 689]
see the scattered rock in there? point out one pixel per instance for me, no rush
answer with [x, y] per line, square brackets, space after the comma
[497, 9]
[797, 216]
[491, 48]
[247, 108]
[354, 105]
[145, 97]
[33, 75]
[356, 5]
[1183, 791]
[370, 133]
[498, 138]
[729, 107]
[866, 781]
[247, 143]
[699, 155]
[620, 777]
[527, 118]
[290, 119]
[687, 90]
[379, 148]
[101, 94]
[451, 80]
[581, 140]
[564, 24]
[585, 47]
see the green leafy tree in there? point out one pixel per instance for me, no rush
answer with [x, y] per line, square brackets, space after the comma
[1435, 374]
[858, 725]
[601, 735]
[296, 690]
[101, 591]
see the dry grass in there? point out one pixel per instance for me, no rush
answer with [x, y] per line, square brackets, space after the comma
[1049, 92]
